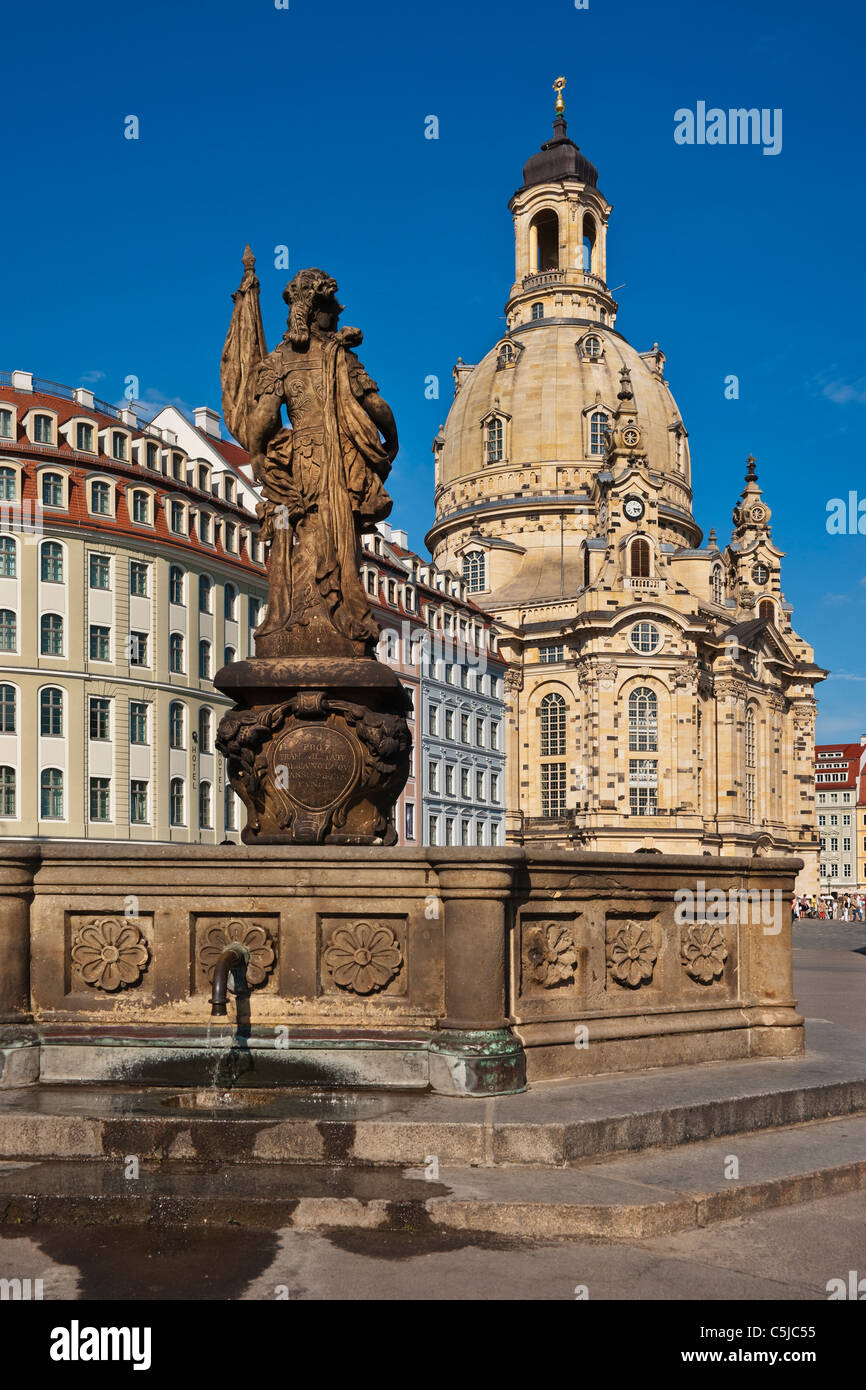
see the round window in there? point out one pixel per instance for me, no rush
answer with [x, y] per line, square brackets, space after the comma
[645, 637]
[760, 574]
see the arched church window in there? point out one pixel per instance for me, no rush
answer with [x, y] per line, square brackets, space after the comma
[643, 722]
[587, 246]
[544, 241]
[586, 571]
[598, 426]
[493, 440]
[552, 713]
[474, 571]
[506, 354]
[717, 581]
[639, 559]
[538, 311]
[750, 737]
[767, 610]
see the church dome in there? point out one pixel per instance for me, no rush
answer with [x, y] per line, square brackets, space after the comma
[546, 380]
[559, 158]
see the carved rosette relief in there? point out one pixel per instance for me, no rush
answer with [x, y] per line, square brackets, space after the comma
[363, 957]
[632, 956]
[551, 954]
[704, 953]
[111, 953]
[253, 935]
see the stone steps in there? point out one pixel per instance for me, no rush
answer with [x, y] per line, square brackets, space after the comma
[625, 1197]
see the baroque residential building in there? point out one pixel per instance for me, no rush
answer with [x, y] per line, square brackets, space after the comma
[837, 782]
[658, 695]
[130, 570]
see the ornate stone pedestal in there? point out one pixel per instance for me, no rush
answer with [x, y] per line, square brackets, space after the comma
[317, 748]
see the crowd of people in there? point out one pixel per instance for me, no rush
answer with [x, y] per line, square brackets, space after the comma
[829, 907]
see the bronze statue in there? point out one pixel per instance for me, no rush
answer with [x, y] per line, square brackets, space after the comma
[317, 745]
[323, 479]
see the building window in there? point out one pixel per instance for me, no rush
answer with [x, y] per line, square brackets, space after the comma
[8, 630]
[464, 783]
[750, 739]
[177, 467]
[552, 790]
[449, 830]
[538, 311]
[43, 429]
[553, 726]
[138, 798]
[176, 514]
[433, 777]
[449, 724]
[175, 653]
[138, 722]
[494, 733]
[204, 528]
[205, 807]
[205, 587]
[84, 438]
[433, 830]
[9, 557]
[51, 712]
[7, 709]
[642, 721]
[176, 725]
[639, 559]
[100, 798]
[51, 634]
[141, 507]
[479, 786]
[230, 808]
[760, 575]
[474, 567]
[253, 612]
[7, 792]
[8, 488]
[409, 822]
[176, 801]
[138, 649]
[204, 666]
[205, 730]
[494, 788]
[100, 642]
[139, 579]
[433, 719]
[100, 572]
[100, 718]
[592, 347]
[464, 832]
[118, 445]
[767, 610]
[717, 582]
[5, 424]
[551, 653]
[229, 655]
[370, 581]
[230, 603]
[493, 440]
[643, 786]
[51, 794]
[598, 428]
[230, 535]
[52, 490]
[645, 637]
[175, 585]
[152, 455]
[750, 797]
[464, 728]
[479, 733]
[100, 499]
[449, 779]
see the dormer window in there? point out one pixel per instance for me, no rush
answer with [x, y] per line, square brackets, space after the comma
[5, 424]
[52, 490]
[538, 311]
[8, 485]
[717, 584]
[84, 438]
[177, 471]
[204, 527]
[43, 429]
[592, 347]
[177, 518]
[151, 455]
[203, 478]
[230, 535]
[474, 571]
[118, 445]
[141, 508]
[229, 488]
[494, 440]
[100, 498]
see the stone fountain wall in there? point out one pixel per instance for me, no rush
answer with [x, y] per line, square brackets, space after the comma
[465, 970]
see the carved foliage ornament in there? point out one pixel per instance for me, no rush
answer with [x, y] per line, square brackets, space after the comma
[551, 954]
[250, 934]
[363, 957]
[111, 953]
[704, 953]
[632, 956]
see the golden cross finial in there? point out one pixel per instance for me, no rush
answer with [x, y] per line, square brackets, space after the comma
[557, 87]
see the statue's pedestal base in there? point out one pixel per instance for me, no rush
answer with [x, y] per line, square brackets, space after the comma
[317, 748]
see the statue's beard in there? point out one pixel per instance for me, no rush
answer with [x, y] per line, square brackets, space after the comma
[299, 325]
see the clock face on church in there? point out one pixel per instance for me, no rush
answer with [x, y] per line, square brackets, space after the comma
[633, 508]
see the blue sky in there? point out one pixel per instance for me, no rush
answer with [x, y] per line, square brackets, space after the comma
[305, 127]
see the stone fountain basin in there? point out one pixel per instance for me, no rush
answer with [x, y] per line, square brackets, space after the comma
[216, 1099]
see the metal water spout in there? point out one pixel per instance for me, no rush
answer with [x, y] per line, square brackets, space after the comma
[233, 959]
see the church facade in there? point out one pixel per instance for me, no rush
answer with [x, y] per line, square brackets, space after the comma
[659, 698]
